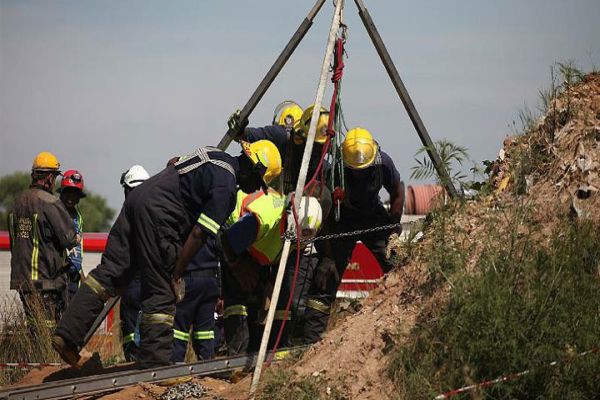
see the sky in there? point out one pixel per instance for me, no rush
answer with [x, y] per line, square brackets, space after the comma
[108, 84]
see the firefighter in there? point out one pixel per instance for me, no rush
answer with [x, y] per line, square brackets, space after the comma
[366, 170]
[41, 231]
[162, 225]
[250, 245]
[131, 303]
[71, 192]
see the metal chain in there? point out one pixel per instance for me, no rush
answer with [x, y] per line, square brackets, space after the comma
[292, 237]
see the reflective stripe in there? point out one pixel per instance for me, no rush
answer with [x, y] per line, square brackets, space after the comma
[204, 335]
[36, 249]
[280, 355]
[96, 287]
[317, 305]
[208, 223]
[158, 318]
[128, 338]
[50, 323]
[200, 157]
[180, 335]
[268, 210]
[235, 310]
[80, 227]
[11, 228]
[279, 314]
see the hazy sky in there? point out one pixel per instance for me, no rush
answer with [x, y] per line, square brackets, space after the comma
[108, 84]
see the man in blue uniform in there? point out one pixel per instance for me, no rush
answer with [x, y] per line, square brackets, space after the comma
[195, 314]
[367, 170]
[162, 225]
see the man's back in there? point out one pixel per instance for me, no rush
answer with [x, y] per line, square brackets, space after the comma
[40, 231]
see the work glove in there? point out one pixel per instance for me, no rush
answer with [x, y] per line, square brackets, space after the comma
[325, 274]
[178, 287]
[236, 125]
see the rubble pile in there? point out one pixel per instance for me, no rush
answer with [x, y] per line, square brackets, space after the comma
[557, 163]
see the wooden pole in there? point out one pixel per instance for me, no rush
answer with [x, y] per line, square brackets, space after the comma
[335, 24]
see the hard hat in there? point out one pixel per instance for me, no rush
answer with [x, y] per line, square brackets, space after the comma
[134, 176]
[321, 134]
[45, 162]
[265, 153]
[288, 114]
[359, 149]
[310, 217]
[72, 178]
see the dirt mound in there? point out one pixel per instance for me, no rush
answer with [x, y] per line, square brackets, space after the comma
[553, 167]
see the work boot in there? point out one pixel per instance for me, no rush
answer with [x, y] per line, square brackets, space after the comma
[69, 353]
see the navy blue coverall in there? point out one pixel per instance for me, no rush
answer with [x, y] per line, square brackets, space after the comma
[362, 209]
[147, 236]
[196, 312]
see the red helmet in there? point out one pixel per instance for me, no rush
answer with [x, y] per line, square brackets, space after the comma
[72, 178]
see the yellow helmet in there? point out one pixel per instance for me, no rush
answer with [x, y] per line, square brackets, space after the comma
[321, 134]
[288, 114]
[45, 161]
[265, 153]
[359, 149]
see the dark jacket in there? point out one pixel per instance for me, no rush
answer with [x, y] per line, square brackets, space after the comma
[41, 231]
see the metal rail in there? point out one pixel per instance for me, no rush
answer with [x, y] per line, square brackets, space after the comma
[118, 380]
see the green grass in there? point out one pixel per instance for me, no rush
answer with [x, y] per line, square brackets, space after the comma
[18, 344]
[526, 304]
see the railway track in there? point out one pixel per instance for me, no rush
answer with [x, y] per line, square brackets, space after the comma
[95, 384]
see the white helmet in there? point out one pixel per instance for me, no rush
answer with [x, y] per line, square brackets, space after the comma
[310, 217]
[134, 176]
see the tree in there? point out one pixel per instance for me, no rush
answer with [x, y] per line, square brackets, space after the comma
[97, 215]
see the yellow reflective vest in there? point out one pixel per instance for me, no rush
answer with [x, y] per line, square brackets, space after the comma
[268, 209]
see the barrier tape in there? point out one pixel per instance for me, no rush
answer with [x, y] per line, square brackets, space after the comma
[28, 365]
[504, 378]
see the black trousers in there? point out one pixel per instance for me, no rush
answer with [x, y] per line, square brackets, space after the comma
[131, 306]
[145, 238]
[196, 313]
[318, 303]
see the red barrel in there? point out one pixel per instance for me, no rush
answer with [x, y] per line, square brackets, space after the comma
[420, 199]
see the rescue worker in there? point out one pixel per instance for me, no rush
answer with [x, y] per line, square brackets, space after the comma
[366, 170]
[71, 192]
[131, 302]
[289, 131]
[41, 231]
[250, 245]
[162, 225]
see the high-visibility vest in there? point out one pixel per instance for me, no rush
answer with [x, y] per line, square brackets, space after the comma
[268, 210]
